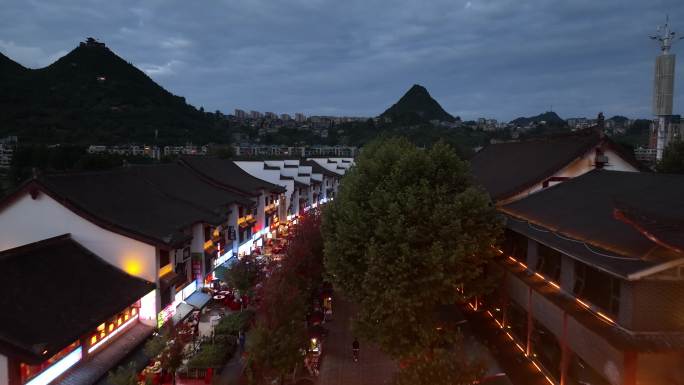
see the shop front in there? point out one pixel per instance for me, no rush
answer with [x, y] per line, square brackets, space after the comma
[184, 302]
[50, 334]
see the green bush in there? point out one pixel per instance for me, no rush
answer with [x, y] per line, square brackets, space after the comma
[155, 345]
[233, 323]
[212, 355]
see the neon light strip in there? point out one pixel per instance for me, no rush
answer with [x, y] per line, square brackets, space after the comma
[58, 368]
[115, 332]
[585, 305]
[522, 350]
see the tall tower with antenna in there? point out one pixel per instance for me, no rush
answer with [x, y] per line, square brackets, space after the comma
[663, 88]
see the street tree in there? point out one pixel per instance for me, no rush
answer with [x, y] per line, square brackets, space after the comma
[407, 229]
[277, 341]
[673, 159]
[440, 367]
[243, 274]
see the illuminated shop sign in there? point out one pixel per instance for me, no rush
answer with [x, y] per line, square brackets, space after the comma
[58, 368]
[166, 314]
[222, 259]
[188, 290]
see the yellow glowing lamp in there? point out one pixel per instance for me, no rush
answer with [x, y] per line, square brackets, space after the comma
[93, 340]
[134, 311]
[132, 266]
[111, 327]
[101, 327]
[119, 321]
[125, 317]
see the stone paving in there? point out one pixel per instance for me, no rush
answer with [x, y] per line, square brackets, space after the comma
[89, 372]
[338, 367]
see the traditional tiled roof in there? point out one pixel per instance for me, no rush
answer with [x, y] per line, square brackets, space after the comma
[124, 200]
[54, 291]
[585, 217]
[183, 183]
[506, 169]
[225, 172]
[318, 169]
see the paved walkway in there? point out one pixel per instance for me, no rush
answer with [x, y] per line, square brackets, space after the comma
[89, 372]
[338, 367]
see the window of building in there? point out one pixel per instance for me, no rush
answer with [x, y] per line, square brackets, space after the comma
[549, 262]
[27, 372]
[597, 287]
[515, 245]
[164, 258]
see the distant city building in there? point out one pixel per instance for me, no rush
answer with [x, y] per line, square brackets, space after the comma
[285, 117]
[248, 149]
[240, 114]
[255, 114]
[646, 155]
[299, 117]
[271, 115]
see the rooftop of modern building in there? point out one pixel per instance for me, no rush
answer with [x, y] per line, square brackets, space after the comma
[506, 169]
[629, 224]
[54, 292]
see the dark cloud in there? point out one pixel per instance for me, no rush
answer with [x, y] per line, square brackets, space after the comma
[494, 58]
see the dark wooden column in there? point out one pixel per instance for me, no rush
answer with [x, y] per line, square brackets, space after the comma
[530, 322]
[13, 371]
[629, 376]
[565, 352]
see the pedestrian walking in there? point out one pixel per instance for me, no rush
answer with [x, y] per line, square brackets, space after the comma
[241, 340]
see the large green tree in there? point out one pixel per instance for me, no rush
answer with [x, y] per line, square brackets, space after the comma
[673, 159]
[276, 343]
[440, 367]
[407, 229]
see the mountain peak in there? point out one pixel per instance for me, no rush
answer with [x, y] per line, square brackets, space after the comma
[417, 103]
[550, 117]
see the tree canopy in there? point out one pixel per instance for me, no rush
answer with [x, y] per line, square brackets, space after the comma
[673, 159]
[407, 228]
[276, 343]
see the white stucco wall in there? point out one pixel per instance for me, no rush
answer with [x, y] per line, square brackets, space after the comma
[261, 210]
[28, 220]
[4, 370]
[579, 167]
[256, 169]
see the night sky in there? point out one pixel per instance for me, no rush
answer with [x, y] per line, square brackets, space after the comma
[495, 58]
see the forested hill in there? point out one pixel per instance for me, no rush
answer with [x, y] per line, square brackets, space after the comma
[91, 95]
[550, 117]
[417, 105]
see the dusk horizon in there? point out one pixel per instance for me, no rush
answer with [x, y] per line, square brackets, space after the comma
[497, 60]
